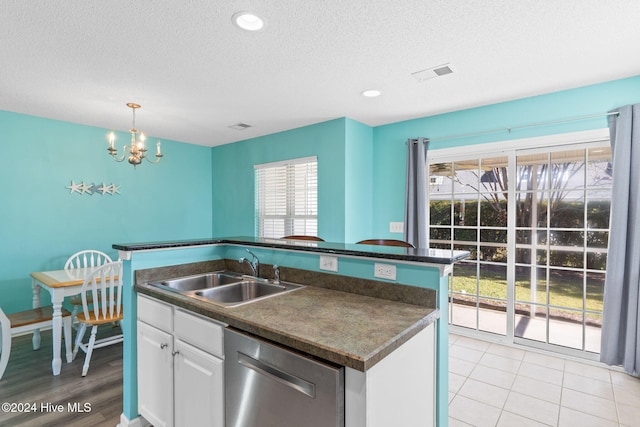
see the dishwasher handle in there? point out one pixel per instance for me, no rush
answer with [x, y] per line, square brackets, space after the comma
[278, 375]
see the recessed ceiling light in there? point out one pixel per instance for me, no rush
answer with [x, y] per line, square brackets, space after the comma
[370, 93]
[248, 21]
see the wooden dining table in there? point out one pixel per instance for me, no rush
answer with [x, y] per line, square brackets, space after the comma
[60, 284]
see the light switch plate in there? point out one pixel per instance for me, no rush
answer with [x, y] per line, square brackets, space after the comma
[329, 263]
[384, 271]
[396, 227]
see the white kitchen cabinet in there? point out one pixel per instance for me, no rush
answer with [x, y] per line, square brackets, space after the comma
[180, 366]
[155, 375]
[197, 374]
[397, 391]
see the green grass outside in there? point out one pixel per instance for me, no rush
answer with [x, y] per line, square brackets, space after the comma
[565, 287]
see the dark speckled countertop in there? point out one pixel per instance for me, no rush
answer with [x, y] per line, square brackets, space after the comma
[348, 329]
[424, 255]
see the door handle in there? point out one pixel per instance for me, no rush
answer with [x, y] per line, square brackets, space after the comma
[278, 375]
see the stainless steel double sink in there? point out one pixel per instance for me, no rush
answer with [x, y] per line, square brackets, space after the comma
[226, 288]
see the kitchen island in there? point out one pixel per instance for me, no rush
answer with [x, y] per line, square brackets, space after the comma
[346, 317]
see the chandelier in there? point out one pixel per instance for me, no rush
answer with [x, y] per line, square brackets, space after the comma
[136, 151]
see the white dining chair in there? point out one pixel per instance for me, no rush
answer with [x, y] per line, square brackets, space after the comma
[101, 296]
[87, 258]
[26, 321]
[82, 259]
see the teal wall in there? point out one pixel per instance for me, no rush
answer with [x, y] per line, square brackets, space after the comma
[344, 149]
[358, 185]
[233, 176]
[389, 140]
[41, 223]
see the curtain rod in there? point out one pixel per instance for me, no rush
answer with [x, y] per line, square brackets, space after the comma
[466, 135]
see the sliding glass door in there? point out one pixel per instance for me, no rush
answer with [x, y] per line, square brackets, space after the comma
[468, 211]
[536, 224]
[563, 201]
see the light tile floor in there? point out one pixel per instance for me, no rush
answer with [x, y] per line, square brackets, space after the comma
[491, 384]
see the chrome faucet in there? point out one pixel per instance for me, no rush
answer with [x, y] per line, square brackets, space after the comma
[276, 274]
[254, 264]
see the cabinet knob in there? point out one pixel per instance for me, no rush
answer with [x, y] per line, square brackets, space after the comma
[173, 353]
[164, 345]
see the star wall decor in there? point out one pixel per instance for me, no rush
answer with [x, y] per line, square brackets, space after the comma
[75, 188]
[91, 189]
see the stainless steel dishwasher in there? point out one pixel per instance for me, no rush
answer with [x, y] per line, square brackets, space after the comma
[270, 386]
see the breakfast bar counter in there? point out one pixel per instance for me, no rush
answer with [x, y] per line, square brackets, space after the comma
[389, 332]
[348, 329]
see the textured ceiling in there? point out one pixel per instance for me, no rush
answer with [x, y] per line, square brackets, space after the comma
[195, 73]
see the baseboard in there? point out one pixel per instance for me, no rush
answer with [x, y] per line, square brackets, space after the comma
[136, 422]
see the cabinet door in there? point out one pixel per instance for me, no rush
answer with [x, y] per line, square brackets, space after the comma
[199, 387]
[155, 375]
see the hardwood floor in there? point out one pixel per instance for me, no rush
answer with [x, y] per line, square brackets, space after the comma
[28, 381]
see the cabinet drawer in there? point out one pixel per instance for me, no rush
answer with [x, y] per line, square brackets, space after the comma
[201, 333]
[155, 313]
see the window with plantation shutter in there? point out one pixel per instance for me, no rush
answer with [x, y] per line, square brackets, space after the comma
[287, 198]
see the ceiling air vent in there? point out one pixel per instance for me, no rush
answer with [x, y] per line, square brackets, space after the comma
[430, 73]
[240, 126]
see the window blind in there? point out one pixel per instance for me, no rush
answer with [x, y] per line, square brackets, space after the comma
[286, 198]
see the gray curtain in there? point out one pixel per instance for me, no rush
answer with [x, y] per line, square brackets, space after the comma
[621, 318]
[415, 215]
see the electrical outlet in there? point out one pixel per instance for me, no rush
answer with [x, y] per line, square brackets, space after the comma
[396, 227]
[384, 271]
[329, 263]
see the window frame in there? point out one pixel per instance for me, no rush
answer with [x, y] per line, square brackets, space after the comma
[287, 213]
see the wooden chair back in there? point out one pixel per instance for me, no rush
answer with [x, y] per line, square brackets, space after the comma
[301, 237]
[386, 242]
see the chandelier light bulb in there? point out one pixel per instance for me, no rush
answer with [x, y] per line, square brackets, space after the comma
[112, 141]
